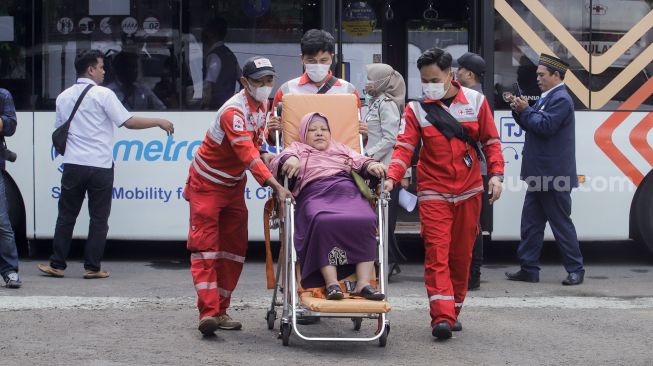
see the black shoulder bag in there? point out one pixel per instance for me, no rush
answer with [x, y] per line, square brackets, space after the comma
[328, 85]
[60, 134]
[450, 127]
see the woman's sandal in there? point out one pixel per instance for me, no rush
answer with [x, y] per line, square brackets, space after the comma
[370, 293]
[334, 293]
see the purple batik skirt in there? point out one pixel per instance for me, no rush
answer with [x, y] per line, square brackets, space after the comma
[334, 225]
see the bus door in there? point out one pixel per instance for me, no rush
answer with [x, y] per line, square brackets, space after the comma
[413, 30]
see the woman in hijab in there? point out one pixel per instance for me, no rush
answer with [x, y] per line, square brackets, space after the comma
[335, 227]
[385, 93]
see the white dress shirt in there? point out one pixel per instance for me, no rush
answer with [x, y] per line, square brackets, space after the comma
[90, 137]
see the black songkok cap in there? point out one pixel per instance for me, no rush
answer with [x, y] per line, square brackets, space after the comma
[554, 63]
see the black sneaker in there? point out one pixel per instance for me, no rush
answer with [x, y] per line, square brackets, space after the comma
[12, 280]
[457, 326]
[442, 330]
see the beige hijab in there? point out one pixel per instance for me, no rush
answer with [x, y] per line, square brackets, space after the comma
[383, 79]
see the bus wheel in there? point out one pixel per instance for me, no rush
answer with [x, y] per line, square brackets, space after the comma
[643, 213]
[16, 210]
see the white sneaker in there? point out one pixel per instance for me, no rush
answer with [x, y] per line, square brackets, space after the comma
[12, 280]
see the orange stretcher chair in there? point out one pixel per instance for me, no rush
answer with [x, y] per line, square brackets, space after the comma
[298, 303]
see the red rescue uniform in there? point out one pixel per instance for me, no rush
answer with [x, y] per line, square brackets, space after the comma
[215, 189]
[449, 193]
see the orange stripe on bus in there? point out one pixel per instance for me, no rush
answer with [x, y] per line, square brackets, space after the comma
[603, 138]
[603, 134]
[638, 138]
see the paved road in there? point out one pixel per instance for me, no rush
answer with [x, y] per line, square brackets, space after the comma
[145, 315]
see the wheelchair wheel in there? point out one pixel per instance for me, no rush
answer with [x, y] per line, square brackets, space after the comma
[271, 317]
[357, 323]
[286, 329]
[383, 340]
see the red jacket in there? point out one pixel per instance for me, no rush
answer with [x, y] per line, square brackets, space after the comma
[441, 171]
[232, 143]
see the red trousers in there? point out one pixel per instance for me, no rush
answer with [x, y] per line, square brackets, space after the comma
[448, 230]
[217, 239]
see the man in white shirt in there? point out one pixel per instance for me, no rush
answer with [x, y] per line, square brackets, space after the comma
[88, 162]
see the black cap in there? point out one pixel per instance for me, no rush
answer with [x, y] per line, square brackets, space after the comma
[257, 67]
[472, 62]
[554, 63]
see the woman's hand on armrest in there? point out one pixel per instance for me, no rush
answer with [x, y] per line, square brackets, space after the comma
[376, 169]
[291, 167]
[389, 185]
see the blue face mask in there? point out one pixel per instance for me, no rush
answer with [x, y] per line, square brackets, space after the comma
[368, 98]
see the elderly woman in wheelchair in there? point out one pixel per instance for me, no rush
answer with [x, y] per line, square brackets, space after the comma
[335, 226]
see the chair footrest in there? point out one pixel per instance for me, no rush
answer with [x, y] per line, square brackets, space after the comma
[347, 305]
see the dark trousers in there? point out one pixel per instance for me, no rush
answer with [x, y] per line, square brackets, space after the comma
[76, 182]
[477, 252]
[394, 255]
[477, 258]
[554, 207]
[8, 252]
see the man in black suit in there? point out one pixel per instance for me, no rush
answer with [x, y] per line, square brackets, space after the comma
[549, 169]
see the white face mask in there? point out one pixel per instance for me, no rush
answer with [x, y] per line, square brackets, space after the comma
[434, 91]
[260, 94]
[317, 72]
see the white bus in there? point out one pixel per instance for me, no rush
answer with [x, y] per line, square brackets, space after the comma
[607, 42]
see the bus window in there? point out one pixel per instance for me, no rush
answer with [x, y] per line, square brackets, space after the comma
[218, 36]
[611, 21]
[450, 35]
[140, 39]
[361, 38]
[435, 24]
[515, 59]
[15, 37]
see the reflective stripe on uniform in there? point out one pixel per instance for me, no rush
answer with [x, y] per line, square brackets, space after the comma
[400, 162]
[206, 285]
[223, 292]
[208, 176]
[254, 163]
[406, 145]
[491, 141]
[428, 195]
[217, 255]
[219, 172]
[458, 304]
[242, 138]
[440, 297]
[231, 257]
[203, 255]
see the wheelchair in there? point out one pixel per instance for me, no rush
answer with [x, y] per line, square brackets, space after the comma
[299, 304]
